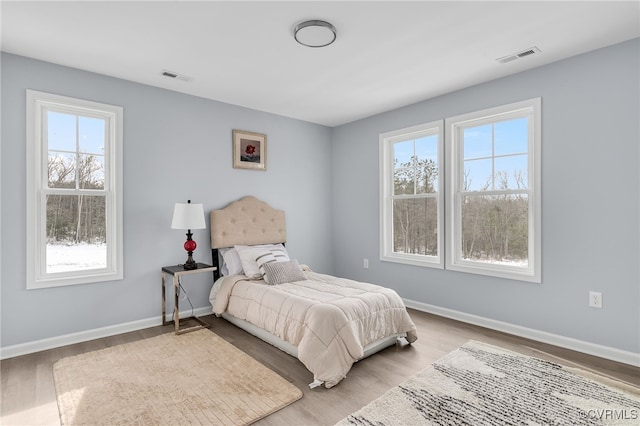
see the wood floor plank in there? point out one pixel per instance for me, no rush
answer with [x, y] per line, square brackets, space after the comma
[28, 393]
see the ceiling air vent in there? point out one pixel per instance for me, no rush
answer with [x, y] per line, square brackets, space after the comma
[171, 74]
[522, 54]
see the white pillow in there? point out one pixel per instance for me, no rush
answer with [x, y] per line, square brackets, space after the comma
[231, 261]
[283, 272]
[249, 254]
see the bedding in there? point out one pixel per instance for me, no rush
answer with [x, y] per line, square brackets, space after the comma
[248, 260]
[328, 323]
[330, 320]
[231, 264]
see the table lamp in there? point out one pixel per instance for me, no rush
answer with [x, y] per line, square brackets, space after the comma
[188, 216]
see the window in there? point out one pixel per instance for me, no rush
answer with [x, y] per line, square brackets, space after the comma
[412, 195]
[493, 197]
[74, 191]
[492, 193]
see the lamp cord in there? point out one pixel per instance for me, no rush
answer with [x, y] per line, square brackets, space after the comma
[186, 294]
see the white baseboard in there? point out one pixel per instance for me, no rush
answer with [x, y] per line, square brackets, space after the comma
[96, 333]
[601, 351]
[606, 352]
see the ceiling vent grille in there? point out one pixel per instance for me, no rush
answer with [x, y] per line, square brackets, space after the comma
[171, 74]
[521, 54]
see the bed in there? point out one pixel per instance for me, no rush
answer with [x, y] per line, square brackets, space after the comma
[328, 323]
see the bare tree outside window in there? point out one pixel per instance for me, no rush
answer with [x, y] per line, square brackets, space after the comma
[494, 200]
[415, 219]
[489, 220]
[76, 209]
[415, 204]
[74, 191]
[493, 224]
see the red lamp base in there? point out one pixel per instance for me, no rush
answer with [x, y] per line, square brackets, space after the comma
[190, 246]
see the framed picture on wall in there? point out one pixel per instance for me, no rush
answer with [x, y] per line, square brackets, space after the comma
[249, 150]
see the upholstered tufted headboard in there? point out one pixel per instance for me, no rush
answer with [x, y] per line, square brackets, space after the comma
[247, 221]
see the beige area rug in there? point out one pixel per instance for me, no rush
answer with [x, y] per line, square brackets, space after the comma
[193, 378]
[480, 384]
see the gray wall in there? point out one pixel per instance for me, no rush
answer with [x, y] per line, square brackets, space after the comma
[590, 202]
[176, 147]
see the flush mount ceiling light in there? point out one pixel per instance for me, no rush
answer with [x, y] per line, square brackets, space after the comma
[315, 33]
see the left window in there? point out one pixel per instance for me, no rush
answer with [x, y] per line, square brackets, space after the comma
[74, 191]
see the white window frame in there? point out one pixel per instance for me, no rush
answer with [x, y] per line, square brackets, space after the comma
[454, 126]
[387, 197]
[38, 103]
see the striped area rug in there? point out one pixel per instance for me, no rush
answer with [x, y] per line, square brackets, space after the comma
[479, 384]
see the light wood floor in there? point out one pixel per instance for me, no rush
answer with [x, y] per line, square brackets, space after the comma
[28, 395]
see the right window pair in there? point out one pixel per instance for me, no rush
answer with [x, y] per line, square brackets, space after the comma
[490, 216]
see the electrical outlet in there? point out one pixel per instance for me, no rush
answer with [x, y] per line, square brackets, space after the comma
[595, 299]
[365, 263]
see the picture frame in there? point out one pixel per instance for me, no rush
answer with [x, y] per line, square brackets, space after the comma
[249, 150]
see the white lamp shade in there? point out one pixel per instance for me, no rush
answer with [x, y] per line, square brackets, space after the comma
[188, 216]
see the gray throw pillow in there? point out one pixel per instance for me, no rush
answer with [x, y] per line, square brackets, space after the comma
[283, 272]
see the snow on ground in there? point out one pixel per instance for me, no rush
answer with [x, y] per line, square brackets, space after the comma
[63, 257]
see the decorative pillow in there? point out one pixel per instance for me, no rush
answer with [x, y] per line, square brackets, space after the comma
[249, 254]
[283, 272]
[231, 264]
[280, 253]
[248, 259]
[273, 255]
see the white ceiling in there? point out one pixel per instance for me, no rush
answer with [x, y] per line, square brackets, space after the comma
[387, 54]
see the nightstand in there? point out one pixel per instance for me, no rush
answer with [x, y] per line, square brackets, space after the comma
[178, 272]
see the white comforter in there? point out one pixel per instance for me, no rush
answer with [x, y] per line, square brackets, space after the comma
[329, 319]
